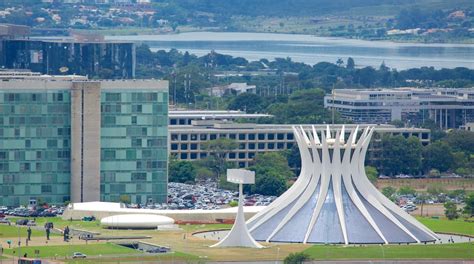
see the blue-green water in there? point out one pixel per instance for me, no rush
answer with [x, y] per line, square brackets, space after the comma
[311, 50]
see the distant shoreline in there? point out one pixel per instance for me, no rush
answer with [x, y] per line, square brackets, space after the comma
[151, 31]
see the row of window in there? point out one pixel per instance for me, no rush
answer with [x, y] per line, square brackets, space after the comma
[240, 136]
[36, 97]
[38, 154]
[260, 146]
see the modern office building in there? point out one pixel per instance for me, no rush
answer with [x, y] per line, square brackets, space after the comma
[102, 59]
[448, 108]
[186, 140]
[71, 139]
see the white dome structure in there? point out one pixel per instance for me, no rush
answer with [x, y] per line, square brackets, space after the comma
[333, 201]
[136, 221]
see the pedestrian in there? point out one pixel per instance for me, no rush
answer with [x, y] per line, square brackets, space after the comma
[28, 231]
[47, 233]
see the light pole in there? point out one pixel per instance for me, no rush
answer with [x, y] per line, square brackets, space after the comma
[278, 255]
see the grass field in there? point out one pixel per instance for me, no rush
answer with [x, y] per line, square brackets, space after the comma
[12, 231]
[451, 251]
[458, 226]
[67, 250]
[166, 257]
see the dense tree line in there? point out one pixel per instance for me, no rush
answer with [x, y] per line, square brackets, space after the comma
[453, 152]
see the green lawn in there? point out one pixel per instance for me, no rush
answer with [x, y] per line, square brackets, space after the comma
[60, 223]
[68, 250]
[168, 257]
[451, 251]
[196, 228]
[458, 226]
[12, 231]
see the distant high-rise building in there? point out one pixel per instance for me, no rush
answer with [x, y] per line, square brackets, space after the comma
[85, 55]
[70, 139]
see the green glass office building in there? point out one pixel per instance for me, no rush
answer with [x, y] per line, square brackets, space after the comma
[71, 139]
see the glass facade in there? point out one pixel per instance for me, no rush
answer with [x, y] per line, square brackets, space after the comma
[134, 145]
[35, 146]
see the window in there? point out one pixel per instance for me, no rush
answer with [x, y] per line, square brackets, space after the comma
[184, 146]
[251, 155]
[251, 145]
[232, 136]
[271, 136]
[242, 155]
[242, 146]
[193, 155]
[241, 136]
[194, 146]
[134, 120]
[112, 97]
[251, 136]
[232, 155]
[280, 136]
[173, 121]
[184, 156]
[182, 121]
[271, 145]
[261, 145]
[184, 137]
[289, 136]
[203, 155]
[109, 154]
[193, 137]
[261, 136]
[280, 145]
[136, 108]
[174, 146]
[131, 154]
[52, 143]
[203, 137]
[46, 189]
[139, 176]
[136, 142]
[213, 136]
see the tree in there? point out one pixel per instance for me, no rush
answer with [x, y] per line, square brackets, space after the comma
[371, 173]
[271, 174]
[406, 190]
[389, 191]
[469, 207]
[249, 102]
[451, 210]
[270, 183]
[181, 171]
[461, 140]
[422, 197]
[218, 149]
[437, 155]
[400, 155]
[296, 258]
[350, 63]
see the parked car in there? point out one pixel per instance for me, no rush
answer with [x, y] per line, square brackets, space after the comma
[79, 255]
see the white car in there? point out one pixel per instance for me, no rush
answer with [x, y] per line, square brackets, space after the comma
[79, 255]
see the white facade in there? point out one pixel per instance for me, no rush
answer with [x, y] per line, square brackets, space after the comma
[136, 221]
[333, 201]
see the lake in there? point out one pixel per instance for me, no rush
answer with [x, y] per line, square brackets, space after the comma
[310, 49]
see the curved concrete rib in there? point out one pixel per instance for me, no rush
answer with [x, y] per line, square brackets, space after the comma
[336, 173]
[293, 193]
[325, 179]
[385, 201]
[306, 196]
